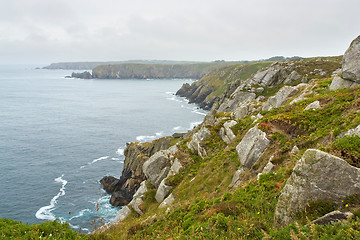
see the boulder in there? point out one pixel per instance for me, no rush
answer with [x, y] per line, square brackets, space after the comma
[338, 83]
[163, 189]
[292, 77]
[317, 176]
[351, 62]
[333, 217]
[313, 106]
[238, 99]
[109, 183]
[236, 178]
[195, 144]
[295, 150]
[354, 131]
[138, 198]
[268, 168]
[168, 201]
[123, 213]
[226, 133]
[157, 167]
[252, 147]
[273, 75]
[280, 98]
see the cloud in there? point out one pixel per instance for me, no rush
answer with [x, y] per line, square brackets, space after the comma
[68, 30]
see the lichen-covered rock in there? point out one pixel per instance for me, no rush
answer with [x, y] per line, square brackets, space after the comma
[123, 213]
[338, 83]
[292, 77]
[252, 147]
[317, 176]
[168, 201]
[280, 98]
[354, 131]
[273, 75]
[138, 198]
[333, 217]
[226, 133]
[163, 189]
[195, 144]
[235, 182]
[237, 99]
[295, 150]
[157, 167]
[351, 62]
[313, 106]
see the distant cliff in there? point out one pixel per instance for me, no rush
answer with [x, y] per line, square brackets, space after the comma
[144, 71]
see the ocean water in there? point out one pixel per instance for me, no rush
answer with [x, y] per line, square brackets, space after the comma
[60, 136]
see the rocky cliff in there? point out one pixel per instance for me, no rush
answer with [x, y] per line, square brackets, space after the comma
[279, 146]
[145, 71]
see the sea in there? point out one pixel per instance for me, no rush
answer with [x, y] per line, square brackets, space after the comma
[59, 136]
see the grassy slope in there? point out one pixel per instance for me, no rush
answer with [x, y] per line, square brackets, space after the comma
[206, 209]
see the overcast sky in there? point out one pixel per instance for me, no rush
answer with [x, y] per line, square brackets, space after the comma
[44, 31]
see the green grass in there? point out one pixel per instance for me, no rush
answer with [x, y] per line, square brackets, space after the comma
[10, 229]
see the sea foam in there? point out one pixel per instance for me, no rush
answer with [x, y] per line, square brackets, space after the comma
[45, 212]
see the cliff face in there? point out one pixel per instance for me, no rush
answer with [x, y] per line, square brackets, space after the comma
[145, 71]
[136, 154]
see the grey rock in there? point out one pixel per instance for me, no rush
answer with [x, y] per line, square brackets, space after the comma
[162, 191]
[338, 83]
[268, 168]
[292, 77]
[280, 98]
[317, 176]
[313, 106]
[333, 217]
[273, 75]
[157, 167]
[354, 131]
[168, 201]
[259, 90]
[236, 178]
[237, 99]
[138, 198]
[226, 133]
[295, 150]
[195, 144]
[304, 80]
[122, 214]
[351, 62]
[252, 147]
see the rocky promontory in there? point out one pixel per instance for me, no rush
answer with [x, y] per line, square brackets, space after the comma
[277, 157]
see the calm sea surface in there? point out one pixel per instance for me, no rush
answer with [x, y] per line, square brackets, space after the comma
[59, 137]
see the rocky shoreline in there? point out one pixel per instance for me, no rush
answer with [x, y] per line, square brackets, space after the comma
[245, 101]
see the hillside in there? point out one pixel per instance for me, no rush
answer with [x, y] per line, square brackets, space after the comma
[275, 154]
[277, 157]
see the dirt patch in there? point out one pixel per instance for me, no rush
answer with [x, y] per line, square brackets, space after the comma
[285, 127]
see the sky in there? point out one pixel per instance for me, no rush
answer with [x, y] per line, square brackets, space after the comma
[43, 31]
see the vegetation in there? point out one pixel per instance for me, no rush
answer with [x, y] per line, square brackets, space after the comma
[206, 208]
[10, 229]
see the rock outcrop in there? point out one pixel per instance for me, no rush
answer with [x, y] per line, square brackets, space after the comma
[195, 144]
[136, 154]
[157, 167]
[226, 133]
[280, 98]
[333, 217]
[138, 198]
[313, 106]
[252, 147]
[351, 62]
[338, 83]
[163, 189]
[317, 176]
